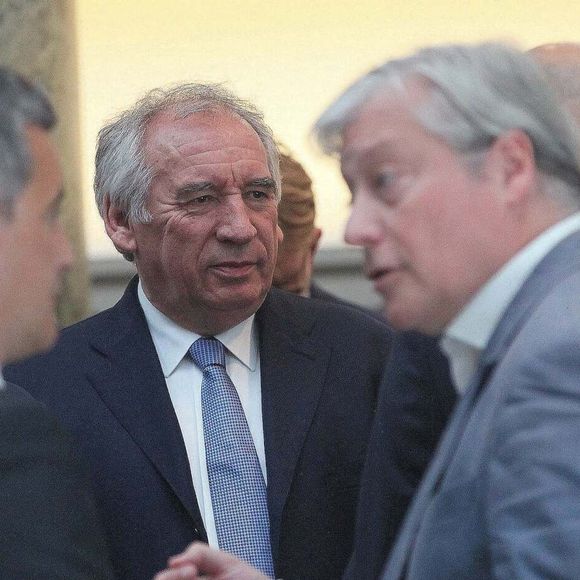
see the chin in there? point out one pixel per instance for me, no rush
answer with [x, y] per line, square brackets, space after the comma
[404, 319]
[241, 299]
[46, 339]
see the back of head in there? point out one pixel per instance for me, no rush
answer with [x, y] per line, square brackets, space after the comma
[561, 63]
[21, 104]
[122, 174]
[296, 210]
[296, 215]
[475, 93]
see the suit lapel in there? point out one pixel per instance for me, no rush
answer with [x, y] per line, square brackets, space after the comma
[561, 261]
[129, 379]
[293, 368]
[401, 551]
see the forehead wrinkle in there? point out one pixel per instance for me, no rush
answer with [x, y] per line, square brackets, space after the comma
[231, 153]
[162, 157]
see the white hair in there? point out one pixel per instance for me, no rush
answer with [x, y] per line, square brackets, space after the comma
[476, 93]
[124, 177]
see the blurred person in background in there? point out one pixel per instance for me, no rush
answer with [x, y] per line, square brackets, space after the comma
[48, 525]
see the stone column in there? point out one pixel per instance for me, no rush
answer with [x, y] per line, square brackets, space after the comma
[37, 39]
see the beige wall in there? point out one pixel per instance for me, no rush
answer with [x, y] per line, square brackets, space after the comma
[289, 56]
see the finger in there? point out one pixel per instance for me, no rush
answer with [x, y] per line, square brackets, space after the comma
[185, 572]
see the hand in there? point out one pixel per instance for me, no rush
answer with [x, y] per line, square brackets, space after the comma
[201, 561]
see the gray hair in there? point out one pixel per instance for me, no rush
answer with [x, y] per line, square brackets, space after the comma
[21, 104]
[476, 94]
[122, 173]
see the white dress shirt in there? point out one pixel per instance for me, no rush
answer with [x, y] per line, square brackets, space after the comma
[467, 335]
[183, 380]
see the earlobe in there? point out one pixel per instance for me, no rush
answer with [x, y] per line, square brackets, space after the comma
[119, 229]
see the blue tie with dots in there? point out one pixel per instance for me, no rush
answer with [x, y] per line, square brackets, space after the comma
[236, 483]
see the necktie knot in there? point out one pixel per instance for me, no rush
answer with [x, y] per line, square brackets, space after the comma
[208, 351]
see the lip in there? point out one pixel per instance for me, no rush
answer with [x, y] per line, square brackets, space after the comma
[234, 269]
[383, 279]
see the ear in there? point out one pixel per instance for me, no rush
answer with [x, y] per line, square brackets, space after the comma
[512, 164]
[279, 234]
[316, 233]
[119, 229]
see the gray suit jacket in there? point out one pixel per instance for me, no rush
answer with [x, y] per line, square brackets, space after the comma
[501, 498]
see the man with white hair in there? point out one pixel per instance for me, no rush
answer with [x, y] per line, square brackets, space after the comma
[466, 188]
[208, 405]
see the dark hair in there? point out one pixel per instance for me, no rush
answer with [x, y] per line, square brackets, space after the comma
[21, 104]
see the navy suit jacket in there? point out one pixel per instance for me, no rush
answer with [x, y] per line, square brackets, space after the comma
[321, 366]
[416, 400]
[320, 294]
[48, 521]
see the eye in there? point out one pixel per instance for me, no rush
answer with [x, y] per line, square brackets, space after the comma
[201, 199]
[53, 211]
[257, 195]
[384, 179]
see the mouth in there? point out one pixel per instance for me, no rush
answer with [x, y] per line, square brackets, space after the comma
[234, 268]
[383, 278]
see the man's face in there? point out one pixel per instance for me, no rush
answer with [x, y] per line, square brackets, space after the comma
[293, 271]
[34, 254]
[428, 224]
[207, 257]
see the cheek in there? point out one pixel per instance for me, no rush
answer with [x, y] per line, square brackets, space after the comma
[268, 232]
[181, 240]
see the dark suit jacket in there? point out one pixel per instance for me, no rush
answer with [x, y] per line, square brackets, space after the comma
[321, 365]
[321, 294]
[48, 521]
[416, 399]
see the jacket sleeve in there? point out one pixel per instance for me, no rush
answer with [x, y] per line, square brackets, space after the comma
[48, 528]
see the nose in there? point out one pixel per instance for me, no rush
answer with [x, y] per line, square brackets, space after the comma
[362, 227]
[235, 224]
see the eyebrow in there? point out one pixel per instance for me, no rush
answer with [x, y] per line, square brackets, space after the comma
[377, 149]
[196, 187]
[208, 186]
[262, 182]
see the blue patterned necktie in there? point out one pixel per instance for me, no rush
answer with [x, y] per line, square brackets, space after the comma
[236, 483]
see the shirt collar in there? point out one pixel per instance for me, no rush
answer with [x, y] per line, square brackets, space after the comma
[173, 341]
[468, 334]
[476, 322]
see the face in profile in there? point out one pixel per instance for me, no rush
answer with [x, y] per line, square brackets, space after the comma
[207, 256]
[419, 212]
[34, 255]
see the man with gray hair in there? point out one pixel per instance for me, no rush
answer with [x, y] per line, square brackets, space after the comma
[202, 385]
[466, 188]
[48, 527]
